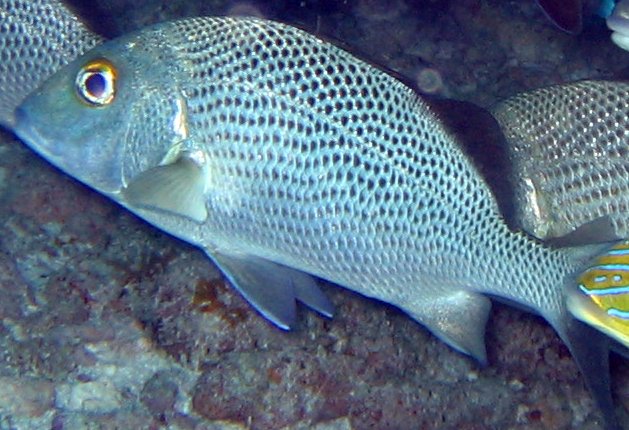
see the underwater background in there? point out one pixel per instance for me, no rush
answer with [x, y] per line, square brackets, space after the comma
[106, 322]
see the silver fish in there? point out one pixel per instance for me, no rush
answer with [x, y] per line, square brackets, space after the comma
[33, 48]
[568, 146]
[284, 157]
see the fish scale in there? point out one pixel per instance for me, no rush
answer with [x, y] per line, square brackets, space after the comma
[283, 157]
[569, 150]
[424, 184]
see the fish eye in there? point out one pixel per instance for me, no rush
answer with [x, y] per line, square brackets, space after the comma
[96, 82]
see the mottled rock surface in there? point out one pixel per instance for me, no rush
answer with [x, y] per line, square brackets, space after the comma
[108, 323]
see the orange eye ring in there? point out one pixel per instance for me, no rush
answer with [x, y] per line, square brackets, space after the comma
[96, 82]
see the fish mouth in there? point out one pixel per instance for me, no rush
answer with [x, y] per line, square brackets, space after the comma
[25, 131]
[57, 150]
[32, 136]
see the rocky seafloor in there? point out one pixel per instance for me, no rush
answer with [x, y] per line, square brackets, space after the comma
[106, 322]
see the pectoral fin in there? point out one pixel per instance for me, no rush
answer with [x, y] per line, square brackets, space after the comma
[458, 319]
[178, 187]
[272, 288]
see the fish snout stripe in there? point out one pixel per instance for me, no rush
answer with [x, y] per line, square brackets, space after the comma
[604, 292]
[621, 251]
[618, 313]
[611, 267]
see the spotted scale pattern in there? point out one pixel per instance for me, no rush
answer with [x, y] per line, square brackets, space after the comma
[307, 158]
[321, 162]
[568, 144]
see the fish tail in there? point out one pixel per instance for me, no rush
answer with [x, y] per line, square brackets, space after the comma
[547, 274]
[588, 345]
[590, 350]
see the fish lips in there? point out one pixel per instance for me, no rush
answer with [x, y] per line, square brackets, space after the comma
[31, 136]
[56, 149]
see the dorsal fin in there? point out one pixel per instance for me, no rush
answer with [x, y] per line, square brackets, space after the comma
[478, 133]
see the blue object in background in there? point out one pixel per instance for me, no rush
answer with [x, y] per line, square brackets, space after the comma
[606, 8]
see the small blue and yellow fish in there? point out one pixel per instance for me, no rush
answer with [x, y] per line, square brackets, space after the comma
[602, 296]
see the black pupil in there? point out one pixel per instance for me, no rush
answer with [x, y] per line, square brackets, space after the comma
[95, 84]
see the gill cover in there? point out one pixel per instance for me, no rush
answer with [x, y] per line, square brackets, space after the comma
[601, 298]
[110, 115]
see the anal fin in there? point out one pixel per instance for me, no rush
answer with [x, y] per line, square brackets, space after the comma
[458, 318]
[272, 289]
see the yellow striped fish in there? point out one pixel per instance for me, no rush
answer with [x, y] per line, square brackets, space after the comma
[602, 296]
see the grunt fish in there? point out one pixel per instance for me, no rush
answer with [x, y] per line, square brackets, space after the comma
[285, 158]
[568, 146]
[44, 46]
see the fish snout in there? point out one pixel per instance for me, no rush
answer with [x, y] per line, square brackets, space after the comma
[26, 131]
